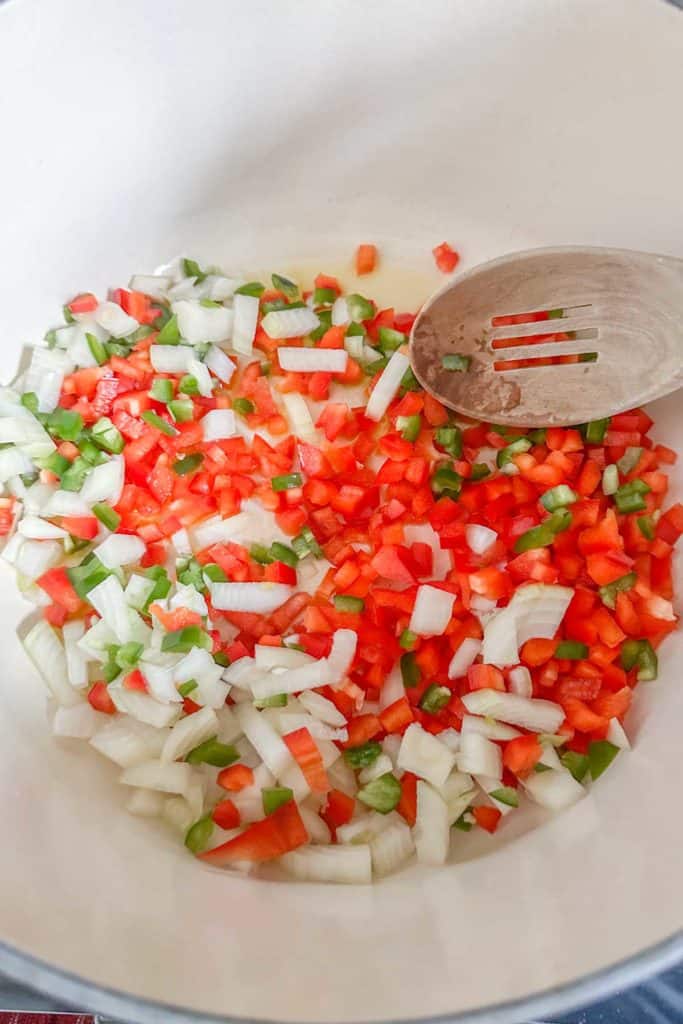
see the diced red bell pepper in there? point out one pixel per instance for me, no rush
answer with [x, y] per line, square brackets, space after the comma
[279, 833]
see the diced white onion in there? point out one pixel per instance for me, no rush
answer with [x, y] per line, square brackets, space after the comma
[391, 848]
[299, 417]
[187, 596]
[480, 538]
[40, 529]
[13, 462]
[318, 832]
[66, 503]
[266, 657]
[45, 650]
[263, 737]
[479, 756]
[322, 708]
[220, 364]
[181, 542]
[289, 323]
[108, 600]
[423, 754]
[143, 707]
[154, 285]
[262, 598]
[340, 312]
[170, 358]
[120, 549]
[466, 655]
[76, 661]
[308, 677]
[126, 741]
[381, 766]
[617, 735]
[424, 533]
[35, 557]
[432, 611]
[387, 386]
[78, 722]
[246, 309]
[432, 829]
[104, 482]
[487, 727]
[536, 715]
[198, 324]
[351, 865]
[112, 318]
[312, 360]
[146, 803]
[28, 434]
[342, 653]
[490, 786]
[166, 778]
[535, 611]
[188, 733]
[138, 590]
[200, 373]
[218, 424]
[554, 790]
[519, 681]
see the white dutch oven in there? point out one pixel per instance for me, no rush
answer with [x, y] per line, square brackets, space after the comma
[262, 133]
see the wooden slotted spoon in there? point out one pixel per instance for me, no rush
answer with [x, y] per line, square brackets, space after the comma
[617, 313]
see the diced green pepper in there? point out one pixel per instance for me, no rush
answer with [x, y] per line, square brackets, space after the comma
[286, 482]
[156, 421]
[87, 575]
[243, 406]
[169, 333]
[214, 573]
[281, 553]
[188, 463]
[517, 447]
[446, 482]
[74, 477]
[212, 752]
[601, 753]
[57, 464]
[185, 689]
[324, 296]
[199, 835]
[107, 436]
[278, 700]
[162, 390]
[162, 584]
[456, 361]
[410, 427]
[609, 591]
[558, 497]
[410, 670]
[646, 526]
[389, 339]
[382, 794]
[274, 797]
[407, 640]
[506, 795]
[479, 471]
[596, 430]
[261, 554]
[183, 640]
[188, 385]
[349, 603]
[364, 755]
[575, 763]
[284, 285]
[29, 400]
[65, 423]
[359, 307]
[192, 269]
[450, 439]
[629, 460]
[128, 655]
[253, 288]
[97, 349]
[435, 698]
[571, 650]
[181, 410]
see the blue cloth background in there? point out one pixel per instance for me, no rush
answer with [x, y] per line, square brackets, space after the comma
[658, 1002]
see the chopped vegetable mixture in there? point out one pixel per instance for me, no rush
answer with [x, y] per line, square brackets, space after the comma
[314, 616]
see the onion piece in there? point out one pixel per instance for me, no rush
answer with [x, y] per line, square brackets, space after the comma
[554, 790]
[299, 417]
[198, 370]
[424, 533]
[617, 735]
[76, 661]
[480, 538]
[66, 503]
[535, 715]
[28, 434]
[13, 462]
[350, 865]
[34, 557]
[322, 708]
[113, 319]
[466, 655]
[218, 424]
[342, 653]
[266, 657]
[170, 358]
[391, 848]
[109, 601]
[265, 740]
[197, 323]
[312, 360]
[120, 549]
[78, 722]
[220, 364]
[487, 727]
[126, 741]
[143, 707]
[45, 650]
[188, 733]
[519, 681]
[289, 323]
[340, 312]
[432, 611]
[308, 677]
[104, 482]
[246, 310]
[146, 803]
[36, 528]
[261, 598]
[387, 386]
[166, 778]
[479, 756]
[432, 829]
[535, 611]
[154, 285]
[424, 755]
